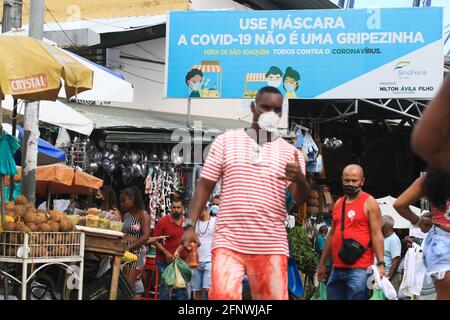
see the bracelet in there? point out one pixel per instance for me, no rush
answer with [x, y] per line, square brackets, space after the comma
[381, 263]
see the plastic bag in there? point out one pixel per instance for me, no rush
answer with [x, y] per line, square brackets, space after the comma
[179, 280]
[168, 275]
[184, 269]
[378, 295]
[385, 285]
[295, 284]
[321, 293]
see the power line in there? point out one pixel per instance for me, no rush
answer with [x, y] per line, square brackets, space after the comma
[61, 28]
[149, 52]
[133, 65]
[148, 79]
[137, 58]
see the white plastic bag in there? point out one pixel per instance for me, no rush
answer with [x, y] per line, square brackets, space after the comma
[384, 284]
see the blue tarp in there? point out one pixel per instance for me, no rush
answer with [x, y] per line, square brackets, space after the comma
[46, 148]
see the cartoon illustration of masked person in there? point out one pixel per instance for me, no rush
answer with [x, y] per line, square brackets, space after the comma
[194, 79]
[274, 77]
[291, 82]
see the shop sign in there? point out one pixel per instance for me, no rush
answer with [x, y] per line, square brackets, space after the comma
[325, 54]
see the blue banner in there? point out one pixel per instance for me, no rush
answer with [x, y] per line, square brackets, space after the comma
[329, 54]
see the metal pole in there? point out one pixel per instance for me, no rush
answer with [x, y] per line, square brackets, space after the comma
[37, 10]
[188, 118]
[29, 147]
[31, 124]
[13, 133]
[12, 15]
[2, 196]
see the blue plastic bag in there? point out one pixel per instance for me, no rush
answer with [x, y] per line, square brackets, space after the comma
[295, 284]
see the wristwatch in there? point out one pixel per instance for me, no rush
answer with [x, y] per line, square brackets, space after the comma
[381, 263]
[188, 223]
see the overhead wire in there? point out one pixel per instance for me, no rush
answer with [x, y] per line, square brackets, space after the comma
[142, 77]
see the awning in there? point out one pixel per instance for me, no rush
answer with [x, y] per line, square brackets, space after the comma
[387, 208]
[108, 85]
[105, 117]
[47, 153]
[255, 77]
[208, 67]
[58, 114]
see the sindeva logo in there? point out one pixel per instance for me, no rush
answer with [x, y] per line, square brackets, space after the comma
[402, 70]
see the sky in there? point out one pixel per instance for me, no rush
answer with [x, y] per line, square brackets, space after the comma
[407, 3]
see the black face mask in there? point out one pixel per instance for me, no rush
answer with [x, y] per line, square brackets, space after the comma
[351, 190]
[176, 215]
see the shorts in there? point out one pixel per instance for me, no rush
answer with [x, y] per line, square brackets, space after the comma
[436, 250]
[201, 276]
[267, 275]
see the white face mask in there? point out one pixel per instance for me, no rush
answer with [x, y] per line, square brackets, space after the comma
[269, 121]
[196, 86]
[274, 83]
[289, 87]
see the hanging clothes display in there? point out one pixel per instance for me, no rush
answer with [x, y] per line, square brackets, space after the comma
[162, 182]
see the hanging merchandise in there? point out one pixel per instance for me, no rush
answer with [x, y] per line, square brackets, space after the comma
[162, 182]
[63, 139]
[299, 141]
[309, 145]
[332, 143]
[8, 147]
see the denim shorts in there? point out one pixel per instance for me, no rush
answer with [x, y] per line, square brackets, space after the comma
[436, 252]
[201, 276]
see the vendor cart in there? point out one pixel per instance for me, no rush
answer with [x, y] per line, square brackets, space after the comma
[250, 78]
[213, 67]
[38, 250]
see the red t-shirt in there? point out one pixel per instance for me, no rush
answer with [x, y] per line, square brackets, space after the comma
[167, 226]
[356, 227]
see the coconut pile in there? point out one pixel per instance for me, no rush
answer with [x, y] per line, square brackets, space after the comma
[22, 216]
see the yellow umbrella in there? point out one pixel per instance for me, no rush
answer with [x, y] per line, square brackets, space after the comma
[33, 70]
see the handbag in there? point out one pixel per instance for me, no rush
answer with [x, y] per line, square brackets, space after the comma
[351, 250]
[295, 284]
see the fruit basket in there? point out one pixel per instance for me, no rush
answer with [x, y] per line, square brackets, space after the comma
[41, 245]
[41, 249]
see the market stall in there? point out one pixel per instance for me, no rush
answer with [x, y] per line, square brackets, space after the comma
[252, 78]
[211, 89]
[90, 229]
[32, 240]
